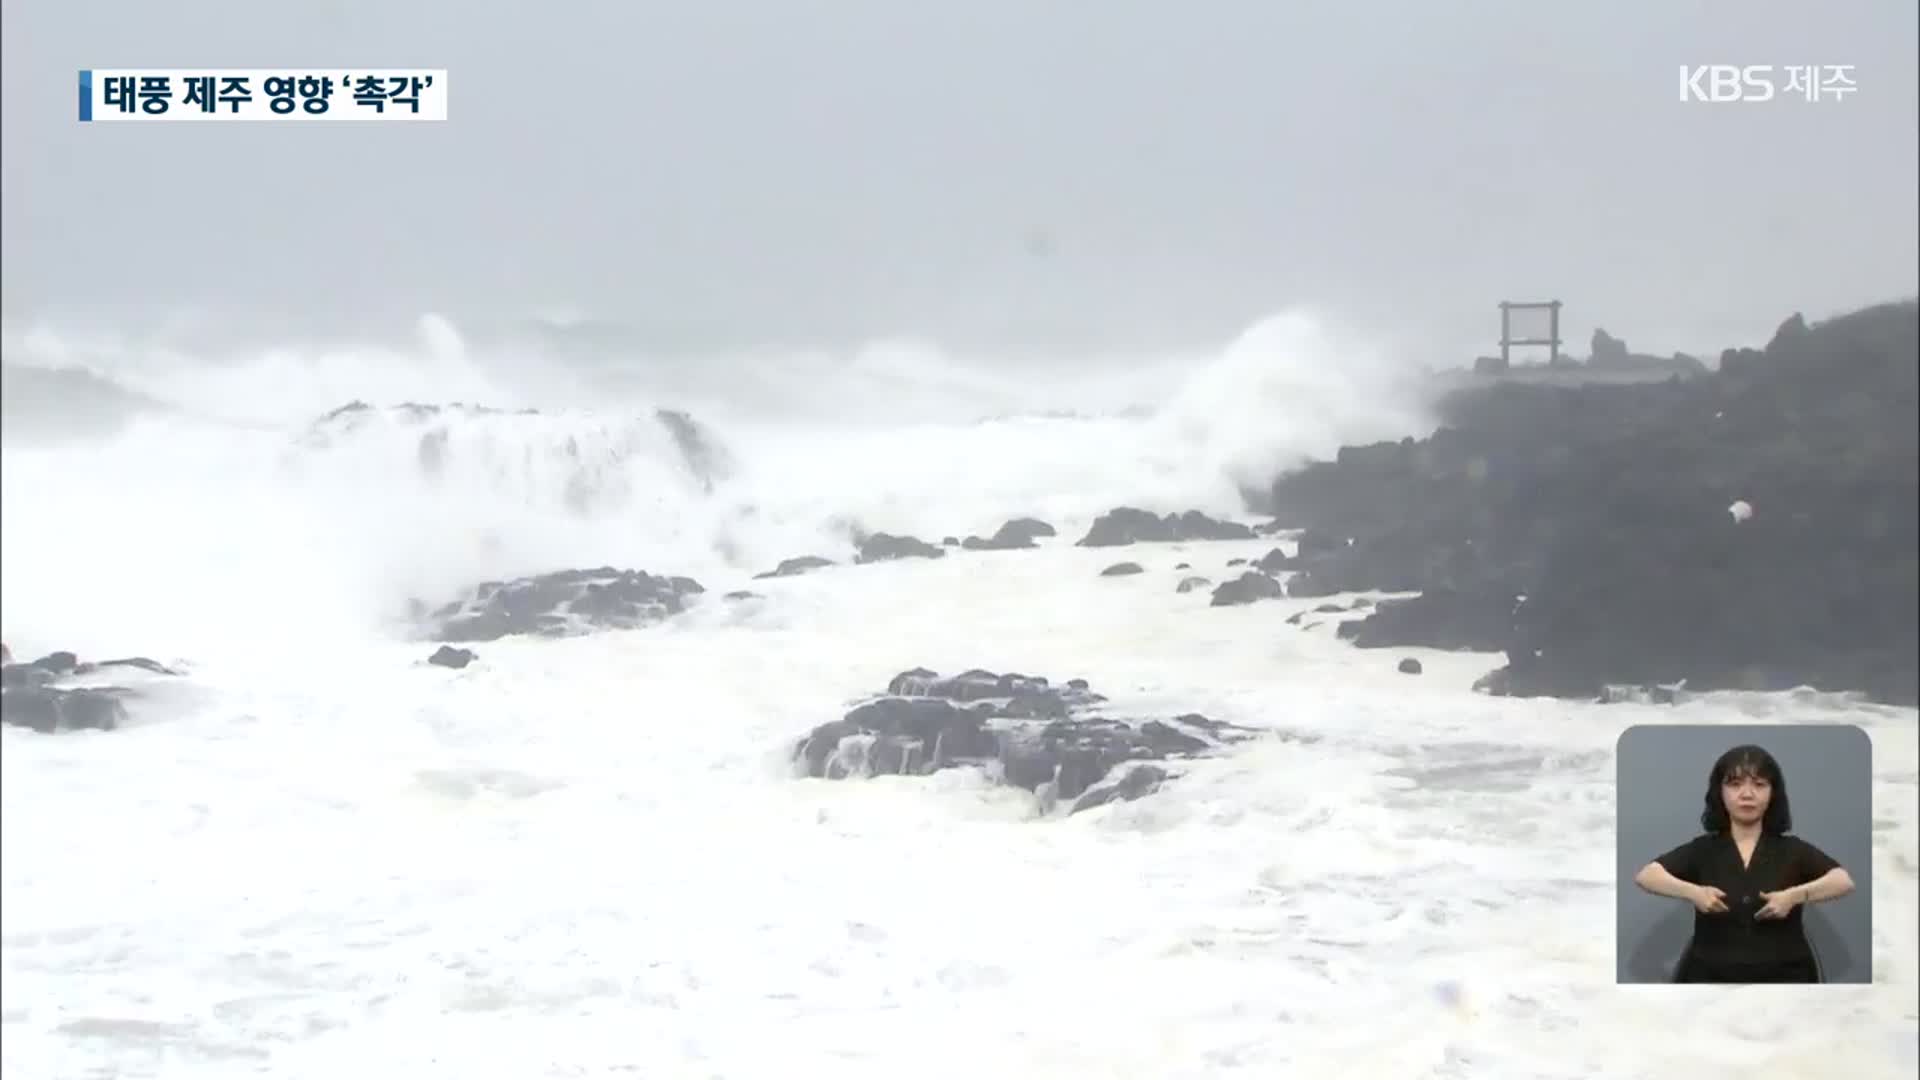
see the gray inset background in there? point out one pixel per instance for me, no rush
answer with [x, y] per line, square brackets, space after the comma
[1661, 780]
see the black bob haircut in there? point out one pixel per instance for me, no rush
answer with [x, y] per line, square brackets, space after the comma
[1747, 761]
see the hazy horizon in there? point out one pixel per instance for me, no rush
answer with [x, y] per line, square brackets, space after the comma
[1112, 177]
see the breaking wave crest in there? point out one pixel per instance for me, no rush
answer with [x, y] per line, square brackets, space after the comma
[342, 482]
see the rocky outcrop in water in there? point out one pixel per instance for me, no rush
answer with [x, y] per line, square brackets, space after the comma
[885, 547]
[449, 657]
[1755, 528]
[1018, 533]
[562, 603]
[1248, 588]
[1023, 730]
[794, 567]
[1128, 525]
[39, 695]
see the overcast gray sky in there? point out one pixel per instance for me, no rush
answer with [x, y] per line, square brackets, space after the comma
[840, 170]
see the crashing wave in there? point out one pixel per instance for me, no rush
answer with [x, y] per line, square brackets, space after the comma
[580, 462]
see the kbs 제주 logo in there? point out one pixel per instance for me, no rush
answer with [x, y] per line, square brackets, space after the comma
[1720, 83]
[343, 93]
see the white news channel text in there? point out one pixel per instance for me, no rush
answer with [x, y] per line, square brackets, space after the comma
[1718, 83]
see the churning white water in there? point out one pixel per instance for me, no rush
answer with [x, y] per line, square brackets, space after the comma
[314, 856]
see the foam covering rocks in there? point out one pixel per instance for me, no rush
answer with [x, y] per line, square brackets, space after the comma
[705, 460]
[1023, 730]
[31, 694]
[562, 603]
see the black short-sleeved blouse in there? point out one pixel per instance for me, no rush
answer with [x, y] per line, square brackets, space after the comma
[1733, 945]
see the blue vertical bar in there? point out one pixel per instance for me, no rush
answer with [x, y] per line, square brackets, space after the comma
[86, 96]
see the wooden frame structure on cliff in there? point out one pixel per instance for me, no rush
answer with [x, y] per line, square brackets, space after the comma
[1508, 341]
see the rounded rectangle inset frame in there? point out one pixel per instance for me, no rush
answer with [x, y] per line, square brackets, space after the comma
[1661, 793]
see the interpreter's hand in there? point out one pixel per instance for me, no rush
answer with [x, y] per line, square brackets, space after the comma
[1779, 904]
[1708, 900]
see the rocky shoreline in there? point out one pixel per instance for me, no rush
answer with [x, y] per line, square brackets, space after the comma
[1753, 528]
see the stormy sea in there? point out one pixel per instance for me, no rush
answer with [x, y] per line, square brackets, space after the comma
[525, 703]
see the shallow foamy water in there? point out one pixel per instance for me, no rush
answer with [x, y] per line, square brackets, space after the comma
[588, 857]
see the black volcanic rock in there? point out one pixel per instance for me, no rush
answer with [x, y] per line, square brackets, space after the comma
[1018, 533]
[1611, 354]
[449, 657]
[1128, 525]
[1052, 740]
[1607, 507]
[1480, 620]
[884, 547]
[35, 695]
[1137, 782]
[60, 663]
[1189, 584]
[562, 603]
[48, 710]
[1246, 589]
[1313, 542]
[1409, 666]
[1028, 526]
[152, 667]
[791, 567]
[1122, 569]
[1308, 584]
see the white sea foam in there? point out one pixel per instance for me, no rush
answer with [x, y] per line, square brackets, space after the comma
[190, 528]
[318, 857]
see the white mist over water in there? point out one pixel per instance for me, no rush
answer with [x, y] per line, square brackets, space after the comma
[317, 857]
